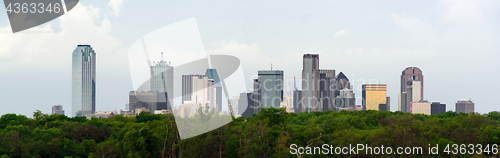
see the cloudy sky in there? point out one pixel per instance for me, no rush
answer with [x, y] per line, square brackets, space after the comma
[454, 43]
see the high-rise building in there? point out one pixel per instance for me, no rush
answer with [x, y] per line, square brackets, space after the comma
[412, 73]
[421, 107]
[234, 105]
[287, 101]
[255, 97]
[374, 95]
[297, 104]
[345, 99]
[57, 109]
[342, 81]
[246, 105]
[187, 89]
[162, 79]
[327, 89]
[412, 94]
[212, 74]
[203, 91]
[270, 88]
[437, 108]
[83, 80]
[149, 100]
[464, 106]
[310, 83]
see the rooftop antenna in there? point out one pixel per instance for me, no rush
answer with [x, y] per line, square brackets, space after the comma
[271, 66]
[161, 56]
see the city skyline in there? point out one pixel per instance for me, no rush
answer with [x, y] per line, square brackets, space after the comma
[370, 42]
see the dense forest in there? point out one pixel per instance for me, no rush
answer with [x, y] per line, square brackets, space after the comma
[267, 134]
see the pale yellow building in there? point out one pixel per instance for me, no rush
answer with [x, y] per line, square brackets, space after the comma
[422, 107]
[374, 95]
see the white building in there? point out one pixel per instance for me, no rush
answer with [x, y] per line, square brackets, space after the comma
[287, 101]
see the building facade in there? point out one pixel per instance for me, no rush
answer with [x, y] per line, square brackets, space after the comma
[149, 100]
[212, 74]
[412, 73]
[464, 106]
[270, 88]
[374, 95]
[162, 79]
[327, 89]
[421, 107]
[83, 80]
[187, 89]
[437, 107]
[57, 109]
[413, 93]
[310, 83]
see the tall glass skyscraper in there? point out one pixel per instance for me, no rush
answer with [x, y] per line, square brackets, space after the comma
[162, 80]
[83, 81]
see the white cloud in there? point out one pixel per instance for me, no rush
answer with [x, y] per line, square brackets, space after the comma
[341, 32]
[115, 5]
[51, 51]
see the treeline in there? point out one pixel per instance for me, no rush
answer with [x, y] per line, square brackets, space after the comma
[268, 134]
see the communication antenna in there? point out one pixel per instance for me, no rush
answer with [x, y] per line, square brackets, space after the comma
[161, 56]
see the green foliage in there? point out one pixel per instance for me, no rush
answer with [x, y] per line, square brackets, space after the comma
[267, 134]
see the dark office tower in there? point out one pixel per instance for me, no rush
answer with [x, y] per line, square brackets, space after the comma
[212, 74]
[412, 73]
[297, 105]
[246, 105]
[342, 81]
[142, 100]
[310, 83]
[271, 88]
[187, 89]
[83, 80]
[437, 108]
[465, 106]
[255, 97]
[327, 89]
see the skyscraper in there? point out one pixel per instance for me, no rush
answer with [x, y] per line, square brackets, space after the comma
[374, 95]
[412, 73]
[83, 80]
[412, 94]
[326, 89]
[162, 80]
[57, 109]
[270, 88]
[310, 83]
[345, 99]
[187, 89]
[465, 106]
[212, 74]
[203, 91]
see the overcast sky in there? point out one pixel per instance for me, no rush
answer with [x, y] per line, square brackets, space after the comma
[455, 43]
